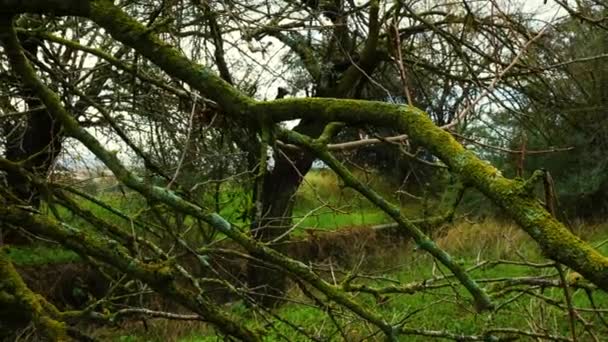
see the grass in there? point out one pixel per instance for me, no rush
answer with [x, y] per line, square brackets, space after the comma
[323, 203]
[446, 309]
[40, 255]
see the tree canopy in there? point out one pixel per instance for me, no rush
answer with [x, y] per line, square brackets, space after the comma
[182, 100]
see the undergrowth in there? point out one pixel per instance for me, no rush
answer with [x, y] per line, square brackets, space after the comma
[445, 309]
[322, 203]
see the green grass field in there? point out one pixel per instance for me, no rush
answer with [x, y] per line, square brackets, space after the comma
[322, 203]
[444, 309]
[40, 255]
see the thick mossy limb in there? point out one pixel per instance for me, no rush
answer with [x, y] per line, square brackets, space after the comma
[482, 300]
[132, 33]
[330, 131]
[18, 302]
[158, 276]
[556, 241]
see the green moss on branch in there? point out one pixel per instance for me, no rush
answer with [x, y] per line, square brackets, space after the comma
[556, 241]
[18, 301]
[160, 277]
[112, 253]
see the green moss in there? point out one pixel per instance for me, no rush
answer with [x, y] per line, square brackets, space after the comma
[25, 302]
[481, 299]
[552, 236]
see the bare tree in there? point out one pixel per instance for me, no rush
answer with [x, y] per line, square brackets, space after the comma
[150, 93]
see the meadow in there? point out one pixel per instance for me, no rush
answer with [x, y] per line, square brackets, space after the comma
[494, 251]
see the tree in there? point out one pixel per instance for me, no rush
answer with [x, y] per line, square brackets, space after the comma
[437, 49]
[254, 124]
[569, 111]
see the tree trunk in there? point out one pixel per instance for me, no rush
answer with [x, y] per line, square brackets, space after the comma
[36, 139]
[278, 196]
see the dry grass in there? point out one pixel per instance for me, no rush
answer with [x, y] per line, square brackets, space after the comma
[326, 184]
[503, 239]
[153, 330]
[488, 237]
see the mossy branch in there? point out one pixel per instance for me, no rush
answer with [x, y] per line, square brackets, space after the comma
[17, 299]
[329, 131]
[112, 60]
[159, 276]
[556, 241]
[132, 33]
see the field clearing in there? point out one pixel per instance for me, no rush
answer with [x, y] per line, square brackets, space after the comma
[492, 251]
